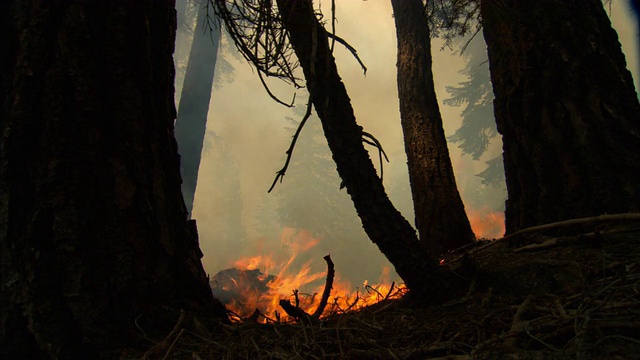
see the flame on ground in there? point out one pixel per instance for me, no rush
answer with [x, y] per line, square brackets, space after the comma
[279, 281]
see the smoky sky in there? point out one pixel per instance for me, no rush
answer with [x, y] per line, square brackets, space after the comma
[247, 135]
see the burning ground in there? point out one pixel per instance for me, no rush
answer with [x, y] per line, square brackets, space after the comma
[532, 296]
[256, 286]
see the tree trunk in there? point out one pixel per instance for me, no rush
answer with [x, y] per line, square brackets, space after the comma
[566, 108]
[193, 110]
[440, 217]
[383, 223]
[635, 9]
[94, 237]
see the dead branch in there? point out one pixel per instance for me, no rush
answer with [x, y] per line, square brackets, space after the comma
[257, 32]
[564, 223]
[393, 284]
[353, 303]
[327, 287]
[581, 221]
[289, 152]
[371, 288]
[532, 247]
[518, 324]
[375, 143]
[353, 51]
[297, 312]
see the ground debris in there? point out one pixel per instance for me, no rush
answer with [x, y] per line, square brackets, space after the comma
[595, 318]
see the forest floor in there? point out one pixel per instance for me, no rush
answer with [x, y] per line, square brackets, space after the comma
[533, 296]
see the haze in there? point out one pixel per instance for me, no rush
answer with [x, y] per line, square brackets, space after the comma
[247, 135]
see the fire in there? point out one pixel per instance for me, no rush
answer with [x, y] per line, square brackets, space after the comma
[486, 224]
[251, 286]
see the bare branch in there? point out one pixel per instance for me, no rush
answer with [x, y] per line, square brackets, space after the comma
[289, 152]
[353, 50]
[375, 143]
[327, 288]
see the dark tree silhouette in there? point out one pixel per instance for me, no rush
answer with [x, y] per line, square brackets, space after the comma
[566, 108]
[440, 217]
[193, 110]
[93, 228]
[294, 28]
[383, 223]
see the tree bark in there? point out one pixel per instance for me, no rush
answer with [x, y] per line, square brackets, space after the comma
[440, 217]
[382, 222]
[566, 108]
[191, 125]
[94, 237]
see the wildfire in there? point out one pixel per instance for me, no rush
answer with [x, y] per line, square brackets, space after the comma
[260, 283]
[486, 224]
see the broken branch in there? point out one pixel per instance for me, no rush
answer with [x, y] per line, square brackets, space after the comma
[327, 287]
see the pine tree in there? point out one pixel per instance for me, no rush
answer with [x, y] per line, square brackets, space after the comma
[478, 127]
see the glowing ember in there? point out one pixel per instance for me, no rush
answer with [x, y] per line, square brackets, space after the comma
[245, 288]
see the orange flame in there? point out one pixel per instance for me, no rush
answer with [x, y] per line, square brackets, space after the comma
[343, 296]
[486, 224]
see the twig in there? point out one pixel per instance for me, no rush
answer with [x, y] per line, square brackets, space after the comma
[289, 152]
[369, 287]
[353, 303]
[167, 343]
[350, 48]
[526, 329]
[518, 324]
[169, 352]
[272, 95]
[393, 283]
[375, 143]
[144, 334]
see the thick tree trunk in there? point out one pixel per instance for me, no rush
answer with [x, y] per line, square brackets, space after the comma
[93, 229]
[193, 110]
[440, 217]
[566, 108]
[635, 8]
[383, 223]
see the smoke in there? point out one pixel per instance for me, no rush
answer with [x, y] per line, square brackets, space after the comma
[247, 137]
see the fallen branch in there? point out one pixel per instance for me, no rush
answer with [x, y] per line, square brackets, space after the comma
[298, 313]
[559, 224]
[581, 221]
[532, 247]
[327, 288]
